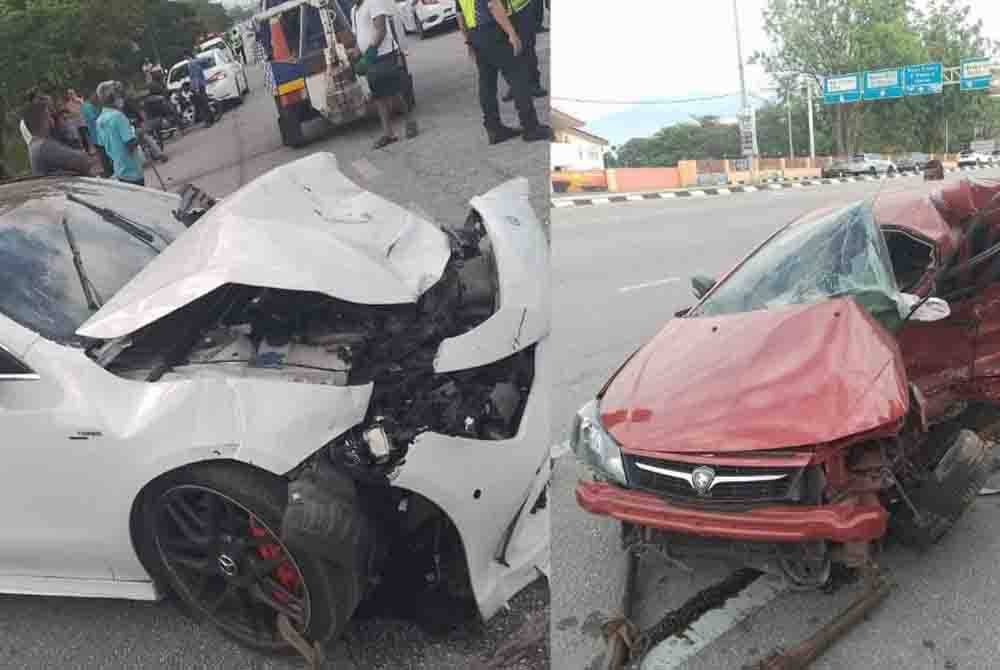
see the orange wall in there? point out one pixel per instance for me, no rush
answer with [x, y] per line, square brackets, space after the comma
[631, 180]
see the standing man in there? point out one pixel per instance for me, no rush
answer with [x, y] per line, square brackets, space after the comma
[380, 51]
[524, 16]
[197, 78]
[118, 136]
[496, 48]
[48, 156]
[91, 110]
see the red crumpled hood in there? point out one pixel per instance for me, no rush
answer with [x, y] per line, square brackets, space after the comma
[767, 379]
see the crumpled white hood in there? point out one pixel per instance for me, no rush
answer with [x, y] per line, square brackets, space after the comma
[302, 226]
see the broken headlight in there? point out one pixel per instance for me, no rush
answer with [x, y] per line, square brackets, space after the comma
[594, 446]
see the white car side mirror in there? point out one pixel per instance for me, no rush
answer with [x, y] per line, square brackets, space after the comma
[931, 309]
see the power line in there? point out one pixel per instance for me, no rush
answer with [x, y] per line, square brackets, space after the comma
[594, 101]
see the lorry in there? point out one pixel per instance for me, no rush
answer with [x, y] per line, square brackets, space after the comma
[304, 44]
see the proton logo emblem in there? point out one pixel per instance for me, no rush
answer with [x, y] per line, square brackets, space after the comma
[702, 479]
[227, 565]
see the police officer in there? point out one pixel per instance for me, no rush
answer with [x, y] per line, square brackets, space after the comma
[496, 47]
[524, 16]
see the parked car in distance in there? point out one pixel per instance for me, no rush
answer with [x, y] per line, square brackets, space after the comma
[872, 164]
[422, 16]
[225, 78]
[838, 168]
[912, 162]
[969, 158]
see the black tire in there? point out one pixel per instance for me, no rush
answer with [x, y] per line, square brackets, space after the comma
[948, 492]
[329, 605]
[873, 171]
[290, 128]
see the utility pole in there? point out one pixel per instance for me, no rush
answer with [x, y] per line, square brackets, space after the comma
[747, 121]
[809, 104]
[739, 54]
[791, 146]
[946, 134]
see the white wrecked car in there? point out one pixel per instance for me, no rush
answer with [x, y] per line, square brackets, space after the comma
[271, 410]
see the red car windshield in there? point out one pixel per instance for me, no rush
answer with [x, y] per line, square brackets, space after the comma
[842, 253]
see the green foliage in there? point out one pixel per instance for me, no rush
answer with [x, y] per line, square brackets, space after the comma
[60, 44]
[825, 37]
[706, 137]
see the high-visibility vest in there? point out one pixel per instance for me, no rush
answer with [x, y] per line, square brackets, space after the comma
[468, 9]
[517, 5]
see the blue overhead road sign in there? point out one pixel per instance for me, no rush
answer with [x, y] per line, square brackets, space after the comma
[842, 88]
[923, 79]
[883, 84]
[977, 73]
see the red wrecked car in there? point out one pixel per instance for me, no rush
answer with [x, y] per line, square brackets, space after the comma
[840, 382]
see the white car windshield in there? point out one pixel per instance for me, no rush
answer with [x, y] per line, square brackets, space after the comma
[58, 237]
[842, 253]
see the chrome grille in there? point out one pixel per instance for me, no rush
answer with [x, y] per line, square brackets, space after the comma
[752, 485]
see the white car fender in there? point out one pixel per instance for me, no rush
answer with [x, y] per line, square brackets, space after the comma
[521, 250]
[488, 489]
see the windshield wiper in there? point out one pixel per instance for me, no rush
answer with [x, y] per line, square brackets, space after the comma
[94, 301]
[136, 230]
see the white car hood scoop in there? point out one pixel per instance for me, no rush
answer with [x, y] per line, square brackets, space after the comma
[302, 226]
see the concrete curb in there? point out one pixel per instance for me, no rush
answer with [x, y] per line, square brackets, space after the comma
[727, 190]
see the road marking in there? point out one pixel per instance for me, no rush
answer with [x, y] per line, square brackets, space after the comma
[600, 201]
[675, 650]
[562, 203]
[648, 284]
[749, 189]
[365, 168]
[634, 197]
[796, 184]
[696, 194]
[722, 191]
[775, 187]
[668, 195]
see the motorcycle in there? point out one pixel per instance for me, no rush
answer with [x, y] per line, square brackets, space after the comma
[183, 101]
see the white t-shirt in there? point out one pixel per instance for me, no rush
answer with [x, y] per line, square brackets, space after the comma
[363, 18]
[25, 133]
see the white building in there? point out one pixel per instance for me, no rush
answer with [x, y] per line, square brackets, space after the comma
[574, 148]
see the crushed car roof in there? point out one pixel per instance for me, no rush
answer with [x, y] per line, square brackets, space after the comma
[302, 226]
[940, 215]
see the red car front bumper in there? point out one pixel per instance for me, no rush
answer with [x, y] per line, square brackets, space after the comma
[849, 521]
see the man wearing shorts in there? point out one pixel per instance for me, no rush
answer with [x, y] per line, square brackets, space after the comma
[379, 50]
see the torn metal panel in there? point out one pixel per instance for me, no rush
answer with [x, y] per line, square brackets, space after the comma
[524, 309]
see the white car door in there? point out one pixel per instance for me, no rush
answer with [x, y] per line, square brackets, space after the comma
[51, 479]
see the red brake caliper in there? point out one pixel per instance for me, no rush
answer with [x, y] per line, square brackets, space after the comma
[285, 574]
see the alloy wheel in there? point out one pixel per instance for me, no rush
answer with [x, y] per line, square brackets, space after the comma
[229, 566]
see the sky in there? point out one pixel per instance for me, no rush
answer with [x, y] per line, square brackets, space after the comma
[663, 50]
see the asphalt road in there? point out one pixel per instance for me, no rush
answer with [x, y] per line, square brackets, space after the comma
[620, 272]
[435, 174]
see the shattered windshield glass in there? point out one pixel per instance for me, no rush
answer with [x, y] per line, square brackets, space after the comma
[842, 253]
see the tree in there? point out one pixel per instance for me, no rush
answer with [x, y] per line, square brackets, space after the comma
[818, 38]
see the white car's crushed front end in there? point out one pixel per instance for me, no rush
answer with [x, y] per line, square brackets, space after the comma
[429, 344]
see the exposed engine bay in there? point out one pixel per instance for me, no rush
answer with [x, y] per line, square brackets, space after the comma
[313, 338]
